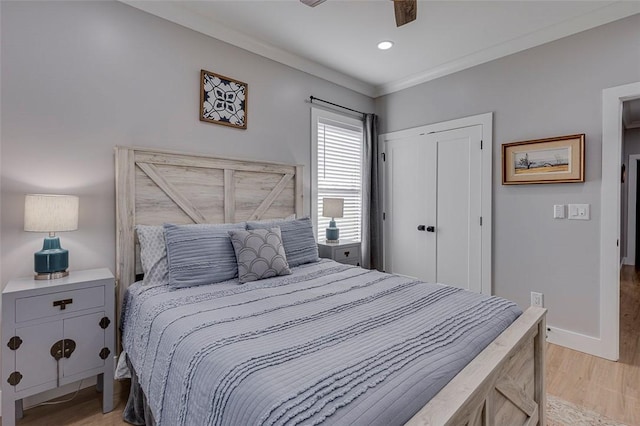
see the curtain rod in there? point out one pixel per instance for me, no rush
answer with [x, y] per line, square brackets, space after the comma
[312, 98]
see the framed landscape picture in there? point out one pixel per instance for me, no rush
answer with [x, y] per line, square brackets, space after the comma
[223, 100]
[551, 160]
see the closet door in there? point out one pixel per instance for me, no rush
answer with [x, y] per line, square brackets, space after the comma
[458, 185]
[433, 206]
[409, 200]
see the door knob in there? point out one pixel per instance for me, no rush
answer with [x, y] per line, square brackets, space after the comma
[431, 229]
[421, 227]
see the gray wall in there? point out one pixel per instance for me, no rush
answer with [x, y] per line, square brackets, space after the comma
[551, 90]
[79, 78]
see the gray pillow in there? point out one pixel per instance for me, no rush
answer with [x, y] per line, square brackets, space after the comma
[153, 254]
[260, 254]
[298, 239]
[200, 254]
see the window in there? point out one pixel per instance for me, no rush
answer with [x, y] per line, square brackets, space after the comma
[337, 170]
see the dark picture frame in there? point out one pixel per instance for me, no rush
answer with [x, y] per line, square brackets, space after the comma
[552, 160]
[223, 100]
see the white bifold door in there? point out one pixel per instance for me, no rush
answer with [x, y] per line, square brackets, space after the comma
[432, 204]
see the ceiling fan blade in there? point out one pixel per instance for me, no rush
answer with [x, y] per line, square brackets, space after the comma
[405, 11]
[312, 3]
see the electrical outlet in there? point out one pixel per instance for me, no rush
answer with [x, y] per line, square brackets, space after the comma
[537, 299]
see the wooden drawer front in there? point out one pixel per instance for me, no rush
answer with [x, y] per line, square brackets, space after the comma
[34, 307]
[347, 254]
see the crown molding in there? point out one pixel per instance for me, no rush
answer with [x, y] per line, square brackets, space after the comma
[604, 15]
[172, 11]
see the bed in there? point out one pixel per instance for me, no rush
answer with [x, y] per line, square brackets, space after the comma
[501, 382]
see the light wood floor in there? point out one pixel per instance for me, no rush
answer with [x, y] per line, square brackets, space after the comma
[84, 410]
[609, 388]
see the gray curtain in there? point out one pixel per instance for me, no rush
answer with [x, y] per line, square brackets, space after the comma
[371, 213]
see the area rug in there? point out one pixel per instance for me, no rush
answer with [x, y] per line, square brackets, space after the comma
[564, 413]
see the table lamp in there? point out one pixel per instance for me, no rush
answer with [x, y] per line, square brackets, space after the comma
[51, 213]
[332, 207]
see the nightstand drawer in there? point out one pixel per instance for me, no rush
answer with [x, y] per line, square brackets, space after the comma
[354, 261]
[347, 254]
[52, 304]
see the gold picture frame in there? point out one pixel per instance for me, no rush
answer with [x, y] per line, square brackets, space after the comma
[223, 100]
[551, 160]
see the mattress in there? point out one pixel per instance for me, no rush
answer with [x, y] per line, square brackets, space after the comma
[328, 344]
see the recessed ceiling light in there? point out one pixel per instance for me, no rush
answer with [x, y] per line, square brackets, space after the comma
[384, 45]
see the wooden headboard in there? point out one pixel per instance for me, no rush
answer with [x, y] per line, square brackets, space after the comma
[155, 187]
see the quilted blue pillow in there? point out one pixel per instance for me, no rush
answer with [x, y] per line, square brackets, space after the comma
[260, 254]
[298, 239]
[200, 254]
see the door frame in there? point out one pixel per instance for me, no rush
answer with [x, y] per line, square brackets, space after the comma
[608, 346]
[486, 121]
[632, 175]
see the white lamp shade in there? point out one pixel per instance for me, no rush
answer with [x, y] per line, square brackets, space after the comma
[50, 213]
[332, 207]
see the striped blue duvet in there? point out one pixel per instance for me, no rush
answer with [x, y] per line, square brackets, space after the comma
[331, 344]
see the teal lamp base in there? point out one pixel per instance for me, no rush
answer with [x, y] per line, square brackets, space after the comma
[332, 232]
[52, 261]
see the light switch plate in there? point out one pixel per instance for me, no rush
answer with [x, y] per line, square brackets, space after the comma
[558, 211]
[579, 212]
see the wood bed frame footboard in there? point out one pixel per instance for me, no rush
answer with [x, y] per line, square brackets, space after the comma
[502, 386]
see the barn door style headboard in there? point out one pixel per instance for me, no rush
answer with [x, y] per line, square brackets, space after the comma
[156, 187]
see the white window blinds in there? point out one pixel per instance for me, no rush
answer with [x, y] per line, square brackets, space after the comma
[339, 174]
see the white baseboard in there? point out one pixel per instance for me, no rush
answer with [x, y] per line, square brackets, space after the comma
[627, 261]
[576, 341]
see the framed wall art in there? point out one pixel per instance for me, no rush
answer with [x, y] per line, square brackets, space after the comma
[223, 100]
[551, 160]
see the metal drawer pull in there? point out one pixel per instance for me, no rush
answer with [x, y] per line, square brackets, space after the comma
[62, 348]
[346, 254]
[62, 303]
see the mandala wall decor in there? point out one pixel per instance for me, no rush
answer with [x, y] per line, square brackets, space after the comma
[223, 100]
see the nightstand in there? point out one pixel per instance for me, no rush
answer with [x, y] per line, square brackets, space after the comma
[54, 333]
[344, 251]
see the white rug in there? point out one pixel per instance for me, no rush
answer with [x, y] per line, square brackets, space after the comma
[564, 413]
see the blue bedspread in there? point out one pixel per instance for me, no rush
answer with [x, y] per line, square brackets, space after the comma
[331, 344]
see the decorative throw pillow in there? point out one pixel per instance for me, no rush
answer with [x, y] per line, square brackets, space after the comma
[260, 254]
[200, 254]
[153, 254]
[298, 239]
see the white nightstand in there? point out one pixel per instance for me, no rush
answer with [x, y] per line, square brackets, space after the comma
[70, 318]
[344, 252]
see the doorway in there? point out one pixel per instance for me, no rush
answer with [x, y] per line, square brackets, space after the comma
[610, 206]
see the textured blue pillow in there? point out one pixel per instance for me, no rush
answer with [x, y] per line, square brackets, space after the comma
[200, 254]
[298, 239]
[260, 254]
